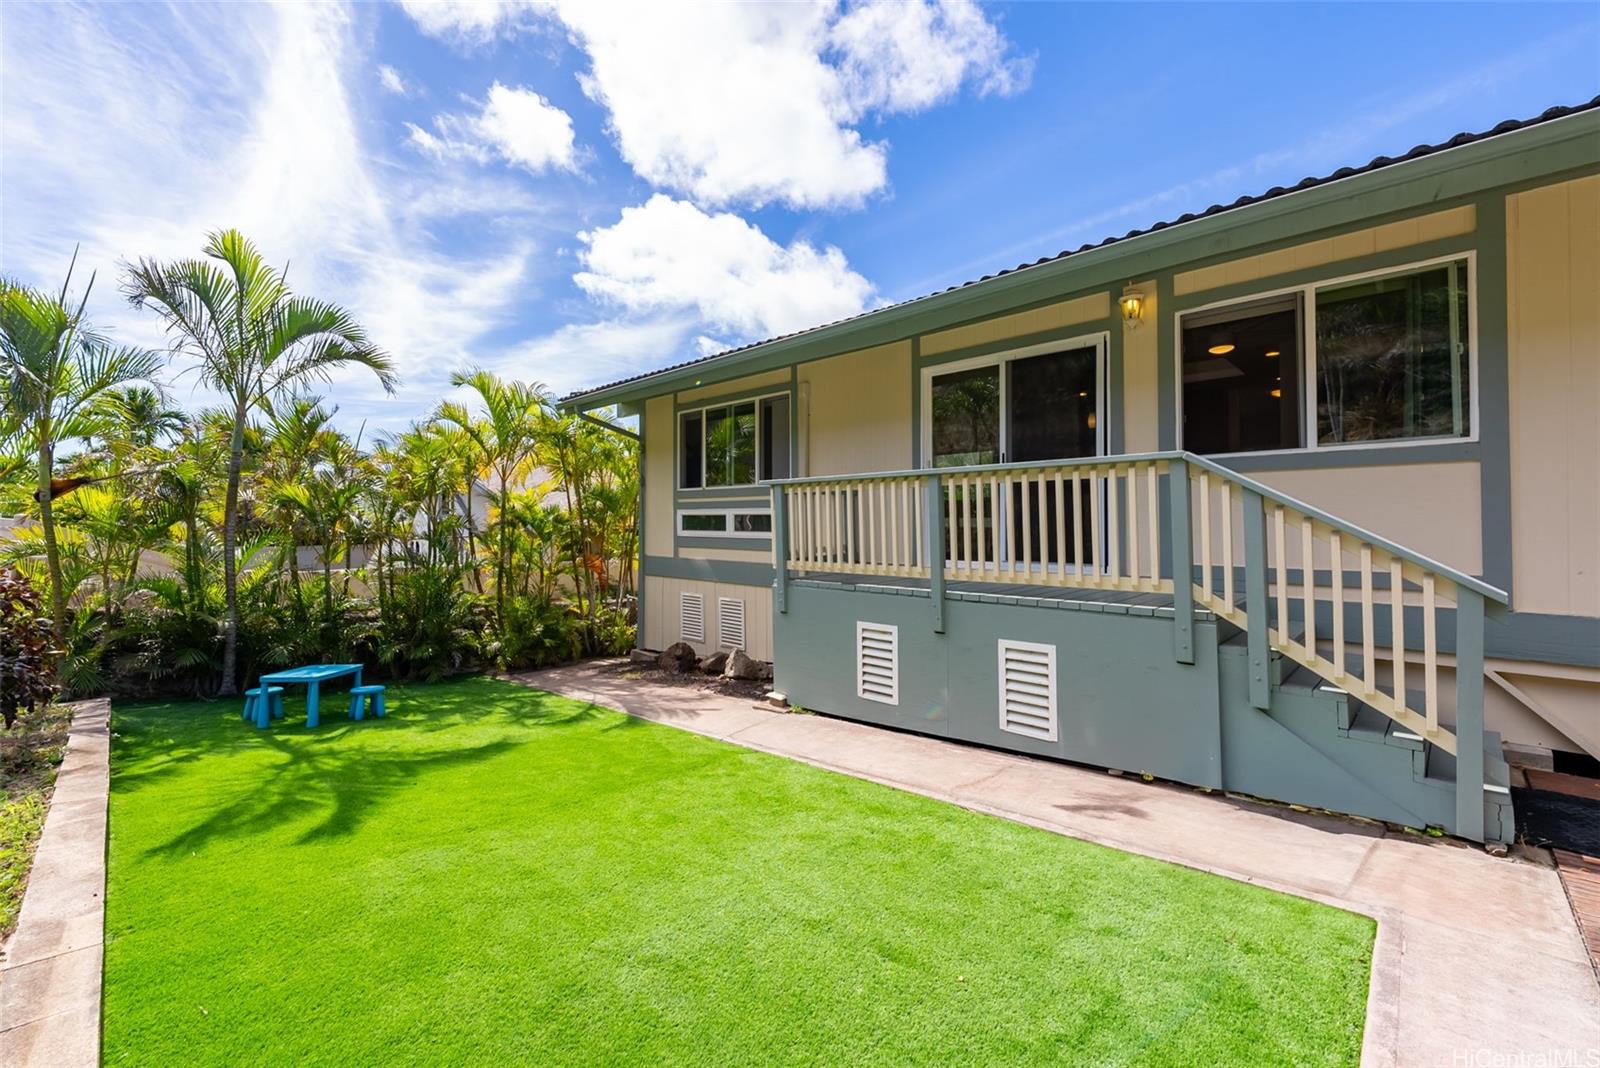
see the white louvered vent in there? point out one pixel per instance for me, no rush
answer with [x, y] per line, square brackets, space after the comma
[1028, 689]
[878, 662]
[730, 622]
[692, 617]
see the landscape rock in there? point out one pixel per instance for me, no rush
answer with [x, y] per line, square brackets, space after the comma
[642, 656]
[713, 664]
[678, 658]
[742, 666]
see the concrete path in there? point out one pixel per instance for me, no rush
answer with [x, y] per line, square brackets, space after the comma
[1478, 959]
[50, 978]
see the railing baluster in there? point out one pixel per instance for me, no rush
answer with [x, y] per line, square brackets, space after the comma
[1336, 554]
[1061, 529]
[1027, 523]
[1113, 534]
[997, 521]
[1205, 538]
[1369, 668]
[981, 501]
[1227, 544]
[1308, 587]
[1132, 488]
[1153, 516]
[1430, 655]
[896, 490]
[1094, 526]
[1397, 623]
[1078, 563]
[1281, 573]
[953, 522]
[850, 523]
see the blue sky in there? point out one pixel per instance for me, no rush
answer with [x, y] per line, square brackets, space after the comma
[574, 192]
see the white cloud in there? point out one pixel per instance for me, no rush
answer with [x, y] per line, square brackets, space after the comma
[579, 355]
[514, 124]
[757, 103]
[667, 255]
[242, 119]
[391, 81]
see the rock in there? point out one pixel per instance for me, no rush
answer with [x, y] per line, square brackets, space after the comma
[678, 658]
[643, 656]
[766, 670]
[742, 666]
[713, 664]
[778, 700]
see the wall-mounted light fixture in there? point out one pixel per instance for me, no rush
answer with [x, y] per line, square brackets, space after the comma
[1132, 301]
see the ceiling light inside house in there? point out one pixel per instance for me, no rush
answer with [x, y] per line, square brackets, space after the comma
[1273, 353]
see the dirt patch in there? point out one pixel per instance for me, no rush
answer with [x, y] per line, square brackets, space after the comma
[624, 669]
[30, 754]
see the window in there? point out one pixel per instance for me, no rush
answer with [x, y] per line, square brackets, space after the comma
[1392, 357]
[725, 523]
[1240, 392]
[1381, 358]
[727, 445]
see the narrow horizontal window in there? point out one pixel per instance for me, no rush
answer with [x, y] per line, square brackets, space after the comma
[704, 522]
[1392, 359]
[752, 522]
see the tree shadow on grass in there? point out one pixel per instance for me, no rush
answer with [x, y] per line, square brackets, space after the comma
[319, 773]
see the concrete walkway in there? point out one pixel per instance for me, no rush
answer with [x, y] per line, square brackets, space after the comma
[1477, 958]
[50, 980]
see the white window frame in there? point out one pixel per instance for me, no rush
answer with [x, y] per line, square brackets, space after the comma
[1100, 341]
[1308, 358]
[702, 409]
[746, 535]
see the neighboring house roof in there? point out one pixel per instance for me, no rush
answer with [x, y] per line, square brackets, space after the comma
[1379, 163]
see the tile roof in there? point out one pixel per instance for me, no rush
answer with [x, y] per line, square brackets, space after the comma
[1378, 163]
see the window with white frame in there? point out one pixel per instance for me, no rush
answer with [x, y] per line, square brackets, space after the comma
[1382, 357]
[725, 523]
[735, 444]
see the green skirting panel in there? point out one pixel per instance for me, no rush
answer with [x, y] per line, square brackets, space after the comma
[1122, 700]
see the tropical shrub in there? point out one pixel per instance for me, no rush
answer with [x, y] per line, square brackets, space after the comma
[27, 648]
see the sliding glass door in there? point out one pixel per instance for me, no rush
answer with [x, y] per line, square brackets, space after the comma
[1038, 404]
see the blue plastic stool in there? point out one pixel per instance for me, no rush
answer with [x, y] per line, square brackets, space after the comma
[258, 710]
[358, 701]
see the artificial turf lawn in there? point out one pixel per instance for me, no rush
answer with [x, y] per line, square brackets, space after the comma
[495, 875]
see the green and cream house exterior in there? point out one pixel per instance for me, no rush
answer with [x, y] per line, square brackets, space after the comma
[1297, 497]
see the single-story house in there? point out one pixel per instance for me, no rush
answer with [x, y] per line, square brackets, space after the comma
[1362, 414]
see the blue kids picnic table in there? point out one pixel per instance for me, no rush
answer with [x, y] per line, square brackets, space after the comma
[313, 675]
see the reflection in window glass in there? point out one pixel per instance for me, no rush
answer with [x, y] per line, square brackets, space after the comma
[742, 456]
[1241, 390]
[775, 437]
[693, 454]
[966, 417]
[752, 522]
[719, 445]
[713, 522]
[1392, 357]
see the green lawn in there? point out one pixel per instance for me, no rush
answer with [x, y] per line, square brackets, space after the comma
[494, 875]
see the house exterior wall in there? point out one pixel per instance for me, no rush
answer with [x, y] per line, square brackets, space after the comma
[1517, 502]
[1553, 277]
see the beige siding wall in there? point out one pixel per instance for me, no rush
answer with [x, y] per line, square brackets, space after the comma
[1141, 408]
[1431, 508]
[1087, 309]
[1553, 265]
[663, 603]
[859, 411]
[659, 476]
[1456, 221]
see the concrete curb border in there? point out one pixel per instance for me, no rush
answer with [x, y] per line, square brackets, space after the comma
[51, 977]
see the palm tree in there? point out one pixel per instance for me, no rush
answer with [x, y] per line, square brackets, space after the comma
[251, 339]
[57, 369]
[505, 440]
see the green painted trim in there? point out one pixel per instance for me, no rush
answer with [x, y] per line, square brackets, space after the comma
[1551, 148]
[689, 541]
[733, 572]
[638, 584]
[916, 402]
[755, 493]
[1166, 365]
[1548, 639]
[1494, 389]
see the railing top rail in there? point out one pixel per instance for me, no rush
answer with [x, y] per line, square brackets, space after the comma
[977, 469]
[1461, 579]
[1344, 526]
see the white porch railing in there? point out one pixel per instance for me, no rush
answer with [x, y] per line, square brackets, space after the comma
[1322, 592]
